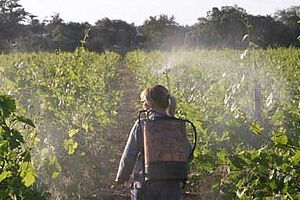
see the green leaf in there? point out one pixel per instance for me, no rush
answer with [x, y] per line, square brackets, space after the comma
[55, 174]
[28, 180]
[16, 139]
[55, 167]
[271, 174]
[241, 192]
[256, 128]
[27, 173]
[206, 161]
[287, 178]
[279, 137]
[25, 120]
[3, 145]
[5, 175]
[70, 145]
[72, 132]
[296, 158]
[85, 126]
[273, 184]
[7, 105]
[240, 183]
[283, 139]
[238, 162]
[221, 155]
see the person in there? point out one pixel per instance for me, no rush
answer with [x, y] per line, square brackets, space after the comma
[158, 99]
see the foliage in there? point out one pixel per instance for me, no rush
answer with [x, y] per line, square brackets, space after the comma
[221, 28]
[17, 173]
[162, 32]
[72, 98]
[109, 35]
[11, 14]
[225, 27]
[216, 90]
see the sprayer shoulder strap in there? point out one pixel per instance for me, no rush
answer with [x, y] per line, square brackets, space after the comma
[141, 140]
[162, 116]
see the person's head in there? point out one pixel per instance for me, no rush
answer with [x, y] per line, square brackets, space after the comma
[158, 97]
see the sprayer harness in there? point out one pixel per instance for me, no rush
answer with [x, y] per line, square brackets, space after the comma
[166, 132]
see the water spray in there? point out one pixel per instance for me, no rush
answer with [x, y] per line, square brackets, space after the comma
[257, 101]
[166, 73]
[257, 86]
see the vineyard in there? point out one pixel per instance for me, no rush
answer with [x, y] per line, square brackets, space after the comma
[65, 118]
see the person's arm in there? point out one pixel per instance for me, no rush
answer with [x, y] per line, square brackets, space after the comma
[129, 155]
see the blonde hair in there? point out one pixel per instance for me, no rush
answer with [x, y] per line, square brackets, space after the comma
[160, 97]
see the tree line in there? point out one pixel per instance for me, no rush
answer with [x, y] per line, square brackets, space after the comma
[223, 27]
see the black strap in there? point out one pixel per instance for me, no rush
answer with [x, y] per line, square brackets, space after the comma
[142, 145]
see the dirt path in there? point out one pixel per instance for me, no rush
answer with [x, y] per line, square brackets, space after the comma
[118, 134]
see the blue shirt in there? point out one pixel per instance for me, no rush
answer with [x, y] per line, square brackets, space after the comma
[131, 160]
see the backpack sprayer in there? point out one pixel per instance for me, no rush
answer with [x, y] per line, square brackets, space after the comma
[166, 150]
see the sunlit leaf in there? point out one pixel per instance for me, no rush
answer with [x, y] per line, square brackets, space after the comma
[240, 192]
[279, 137]
[271, 174]
[85, 126]
[5, 175]
[287, 178]
[221, 155]
[240, 183]
[269, 100]
[3, 145]
[72, 132]
[27, 173]
[256, 128]
[296, 158]
[55, 167]
[70, 145]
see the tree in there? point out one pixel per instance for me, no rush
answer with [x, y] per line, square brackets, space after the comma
[221, 28]
[64, 36]
[162, 32]
[266, 32]
[114, 35]
[291, 18]
[11, 14]
[226, 28]
[34, 36]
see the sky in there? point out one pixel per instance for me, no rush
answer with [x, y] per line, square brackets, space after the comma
[186, 12]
